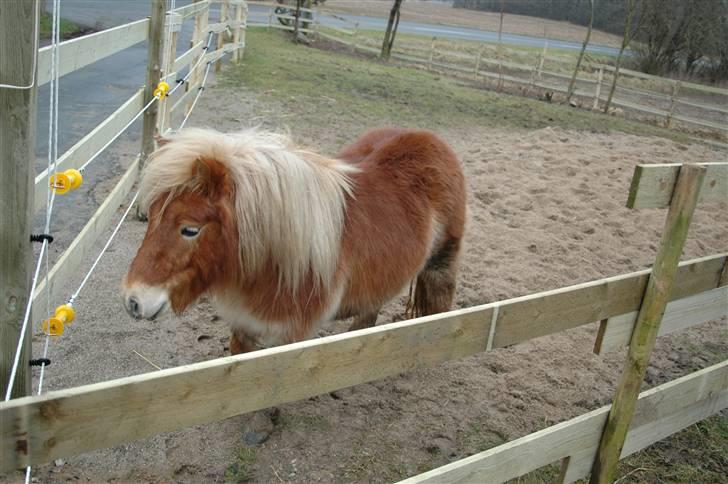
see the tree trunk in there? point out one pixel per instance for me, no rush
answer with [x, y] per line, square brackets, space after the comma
[572, 84]
[297, 20]
[391, 29]
[631, 6]
[500, 47]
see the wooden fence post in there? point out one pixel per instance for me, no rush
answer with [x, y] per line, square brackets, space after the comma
[154, 68]
[354, 37]
[239, 32]
[199, 34]
[598, 88]
[477, 63]
[224, 7]
[659, 286]
[540, 61]
[675, 90]
[17, 158]
[171, 30]
[432, 53]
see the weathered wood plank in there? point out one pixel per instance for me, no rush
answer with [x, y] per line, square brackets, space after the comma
[87, 146]
[192, 9]
[138, 406]
[184, 98]
[185, 59]
[82, 51]
[679, 314]
[274, 5]
[71, 421]
[548, 312]
[17, 159]
[150, 118]
[78, 251]
[653, 185]
[654, 302]
[661, 412]
[219, 53]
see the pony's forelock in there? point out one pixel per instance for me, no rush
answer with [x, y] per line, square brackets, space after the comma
[289, 203]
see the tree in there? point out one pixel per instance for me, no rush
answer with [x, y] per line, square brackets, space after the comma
[572, 84]
[631, 25]
[392, 25]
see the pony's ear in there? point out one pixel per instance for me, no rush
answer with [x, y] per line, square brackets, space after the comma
[212, 177]
[161, 140]
[202, 172]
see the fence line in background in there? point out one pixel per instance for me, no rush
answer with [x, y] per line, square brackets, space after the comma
[534, 76]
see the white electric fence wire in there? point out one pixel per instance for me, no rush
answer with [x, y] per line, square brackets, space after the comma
[126, 126]
[74, 296]
[72, 299]
[197, 96]
[35, 53]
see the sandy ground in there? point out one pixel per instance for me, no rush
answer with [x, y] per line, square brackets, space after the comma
[546, 211]
[444, 14]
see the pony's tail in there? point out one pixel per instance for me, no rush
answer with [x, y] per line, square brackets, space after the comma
[434, 290]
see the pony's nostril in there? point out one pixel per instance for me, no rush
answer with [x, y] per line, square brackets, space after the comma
[133, 307]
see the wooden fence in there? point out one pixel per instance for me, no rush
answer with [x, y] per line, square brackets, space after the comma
[80, 52]
[83, 51]
[666, 100]
[36, 430]
[67, 422]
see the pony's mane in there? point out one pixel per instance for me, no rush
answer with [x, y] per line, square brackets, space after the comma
[289, 203]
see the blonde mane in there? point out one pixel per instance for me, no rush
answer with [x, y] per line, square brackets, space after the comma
[289, 203]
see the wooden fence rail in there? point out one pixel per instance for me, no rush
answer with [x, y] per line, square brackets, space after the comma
[452, 62]
[82, 51]
[67, 422]
[661, 412]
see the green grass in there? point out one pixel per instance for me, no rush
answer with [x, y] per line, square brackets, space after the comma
[696, 454]
[242, 469]
[312, 86]
[67, 28]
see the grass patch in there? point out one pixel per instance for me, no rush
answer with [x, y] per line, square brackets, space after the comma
[314, 87]
[696, 454]
[242, 469]
[67, 29]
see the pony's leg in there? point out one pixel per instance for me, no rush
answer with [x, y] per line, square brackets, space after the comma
[365, 320]
[240, 343]
[435, 288]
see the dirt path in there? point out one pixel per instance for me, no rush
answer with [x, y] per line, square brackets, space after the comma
[546, 211]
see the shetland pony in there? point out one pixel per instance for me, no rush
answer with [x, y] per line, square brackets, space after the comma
[284, 239]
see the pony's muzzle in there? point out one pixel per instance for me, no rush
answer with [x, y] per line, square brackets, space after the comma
[145, 302]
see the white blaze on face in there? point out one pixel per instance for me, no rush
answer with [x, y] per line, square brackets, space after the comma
[145, 302]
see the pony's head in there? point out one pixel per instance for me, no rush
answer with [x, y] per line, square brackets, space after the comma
[222, 208]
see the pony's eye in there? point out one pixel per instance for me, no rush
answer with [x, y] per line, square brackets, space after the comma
[190, 232]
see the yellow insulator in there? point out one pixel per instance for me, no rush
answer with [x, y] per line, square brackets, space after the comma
[66, 181]
[161, 90]
[54, 325]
